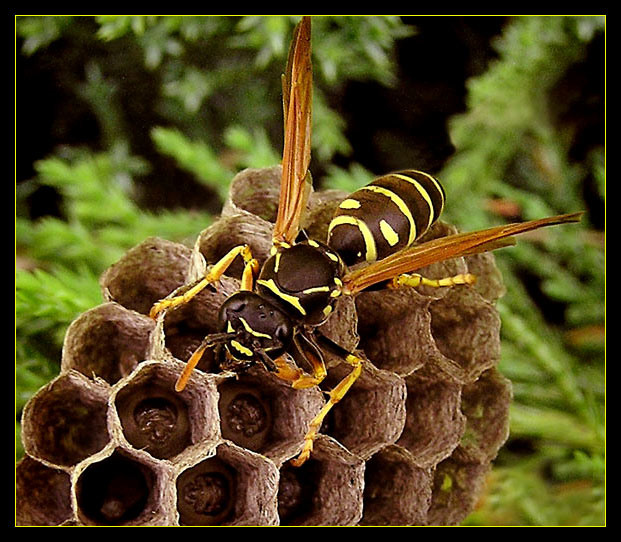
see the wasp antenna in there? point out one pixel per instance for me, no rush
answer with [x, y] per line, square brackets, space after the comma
[208, 341]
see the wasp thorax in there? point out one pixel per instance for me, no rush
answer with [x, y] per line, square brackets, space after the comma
[303, 280]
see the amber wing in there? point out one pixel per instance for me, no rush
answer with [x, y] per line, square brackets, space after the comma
[415, 257]
[297, 105]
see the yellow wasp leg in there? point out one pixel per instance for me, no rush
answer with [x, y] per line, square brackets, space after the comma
[250, 270]
[414, 279]
[299, 378]
[214, 274]
[335, 396]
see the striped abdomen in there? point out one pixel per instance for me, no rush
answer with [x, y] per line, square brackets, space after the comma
[385, 216]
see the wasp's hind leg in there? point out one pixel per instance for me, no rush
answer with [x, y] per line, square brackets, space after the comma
[335, 396]
[214, 274]
[412, 280]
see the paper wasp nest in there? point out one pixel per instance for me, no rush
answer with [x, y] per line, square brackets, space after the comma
[110, 442]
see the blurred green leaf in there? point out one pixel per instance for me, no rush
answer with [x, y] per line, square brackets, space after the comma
[195, 157]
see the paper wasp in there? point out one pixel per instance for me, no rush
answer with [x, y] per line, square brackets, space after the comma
[280, 306]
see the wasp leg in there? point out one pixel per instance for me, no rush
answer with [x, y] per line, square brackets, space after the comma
[214, 274]
[299, 378]
[335, 396]
[208, 341]
[414, 279]
[250, 272]
[312, 354]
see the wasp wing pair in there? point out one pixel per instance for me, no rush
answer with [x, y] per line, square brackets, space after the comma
[295, 186]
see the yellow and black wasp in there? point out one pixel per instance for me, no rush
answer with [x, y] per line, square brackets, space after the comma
[280, 306]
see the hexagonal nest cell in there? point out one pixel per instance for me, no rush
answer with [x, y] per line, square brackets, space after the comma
[110, 442]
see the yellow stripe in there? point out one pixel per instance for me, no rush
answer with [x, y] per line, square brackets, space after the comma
[391, 236]
[252, 331]
[422, 191]
[436, 184]
[350, 203]
[241, 348]
[316, 289]
[367, 236]
[333, 257]
[271, 285]
[396, 199]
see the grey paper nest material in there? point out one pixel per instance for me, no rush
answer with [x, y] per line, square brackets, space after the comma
[109, 442]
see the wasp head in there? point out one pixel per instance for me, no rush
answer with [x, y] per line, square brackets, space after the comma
[259, 331]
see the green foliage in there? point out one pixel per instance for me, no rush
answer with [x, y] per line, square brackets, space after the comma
[509, 148]
[214, 92]
[227, 69]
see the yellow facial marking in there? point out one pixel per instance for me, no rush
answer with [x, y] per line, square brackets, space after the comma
[241, 348]
[252, 331]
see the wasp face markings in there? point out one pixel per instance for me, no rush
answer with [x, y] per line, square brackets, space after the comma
[254, 324]
[385, 216]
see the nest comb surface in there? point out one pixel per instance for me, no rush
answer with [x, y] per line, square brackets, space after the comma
[109, 441]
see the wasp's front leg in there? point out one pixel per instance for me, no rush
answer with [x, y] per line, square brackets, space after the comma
[208, 342]
[213, 275]
[299, 378]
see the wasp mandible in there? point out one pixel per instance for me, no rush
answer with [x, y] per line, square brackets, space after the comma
[280, 305]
